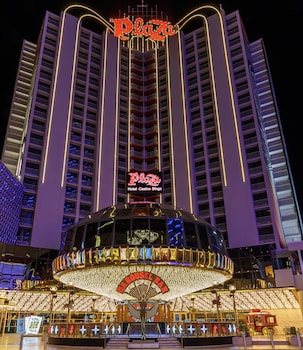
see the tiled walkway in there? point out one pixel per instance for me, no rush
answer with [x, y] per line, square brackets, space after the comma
[15, 342]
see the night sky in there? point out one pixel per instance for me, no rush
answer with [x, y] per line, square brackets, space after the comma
[278, 25]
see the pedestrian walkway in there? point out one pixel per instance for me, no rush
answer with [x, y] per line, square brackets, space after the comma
[17, 342]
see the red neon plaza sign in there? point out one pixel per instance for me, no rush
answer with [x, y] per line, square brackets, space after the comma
[155, 29]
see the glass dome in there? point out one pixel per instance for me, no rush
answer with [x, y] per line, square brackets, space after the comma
[144, 223]
[143, 250]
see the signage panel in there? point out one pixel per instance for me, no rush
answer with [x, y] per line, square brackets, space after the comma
[154, 29]
[144, 183]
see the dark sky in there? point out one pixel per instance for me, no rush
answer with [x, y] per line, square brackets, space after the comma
[278, 25]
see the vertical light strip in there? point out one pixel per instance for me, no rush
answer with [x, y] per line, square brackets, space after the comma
[51, 112]
[129, 111]
[189, 182]
[116, 158]
[172, 151]
[101, 121]
[158, 115]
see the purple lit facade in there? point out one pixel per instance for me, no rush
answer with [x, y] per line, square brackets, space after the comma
[198, 107]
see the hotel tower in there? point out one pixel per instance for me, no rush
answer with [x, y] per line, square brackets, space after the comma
[98, 101]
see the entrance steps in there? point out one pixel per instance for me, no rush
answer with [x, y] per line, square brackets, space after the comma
[159, 343]
[117, 343]
[143, 344]
[169, 343]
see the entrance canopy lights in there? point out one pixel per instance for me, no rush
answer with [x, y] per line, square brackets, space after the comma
[159, 273]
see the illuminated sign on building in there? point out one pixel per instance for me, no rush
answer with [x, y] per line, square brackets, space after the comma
[155, 29]
[141, 183]
[139, 275]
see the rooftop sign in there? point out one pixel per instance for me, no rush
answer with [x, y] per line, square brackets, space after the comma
[155, 29]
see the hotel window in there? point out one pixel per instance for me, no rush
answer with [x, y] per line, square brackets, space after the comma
[85, 209]
[196, 127]
[30, 184]
[32, 168]
[92, 81]
[34, 153]
[95, 60]
[121, 186]
[45, 75]
[76, 136]
[40, 112]
[204, 208]
[86, 195]
[77, 124]
[44, 87]
[28, 200]
[201, 180]
[42, 99]
[53, 21]
[200, 166]
[90, 128]
[89, 140]
[88, 167]
[93, 104]
[198, 152]
[190, 60]
[23, 235]
[69, 207]
[91, 115]
[73, 163]
[193, 92]
[89, 153]
[87, 180]
[74, 149]
[96, 50]
[49, 53]
[70, 192]
[67, 221]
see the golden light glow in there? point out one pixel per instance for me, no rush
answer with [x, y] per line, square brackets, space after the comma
[181, 280]
[183, 270]
[264, 299]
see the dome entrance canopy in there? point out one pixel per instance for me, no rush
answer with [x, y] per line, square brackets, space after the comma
[141, 251]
